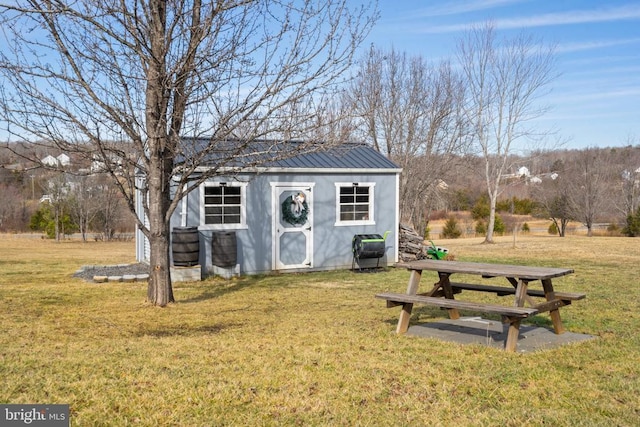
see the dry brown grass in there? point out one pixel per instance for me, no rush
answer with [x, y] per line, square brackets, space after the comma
[538, 227]
[314, 349]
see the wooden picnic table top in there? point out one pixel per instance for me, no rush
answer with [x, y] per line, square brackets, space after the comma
[521, 272]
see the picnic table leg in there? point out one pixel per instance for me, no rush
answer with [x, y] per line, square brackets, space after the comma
[512, 335]
[448, 293]
[514, 323]
[521, 293]
[550, 295]
[527, 298]
[405, 314]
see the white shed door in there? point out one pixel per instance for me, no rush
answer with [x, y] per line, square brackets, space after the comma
[292, 213]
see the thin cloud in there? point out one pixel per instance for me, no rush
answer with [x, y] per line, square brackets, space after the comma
[590, 61]
[577, 47]
[624, 13]
[594, 99]
[457, 8]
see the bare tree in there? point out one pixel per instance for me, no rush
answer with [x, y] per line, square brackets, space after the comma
[82, 204]
[129, 79]
[58, 194]
[591, 183]
[627, 192]
[410, 111]
[552, 195]
[11, 208]
[505, 79]
[110, 211]
[94, 204]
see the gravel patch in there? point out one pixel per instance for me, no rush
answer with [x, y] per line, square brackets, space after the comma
[90, 273]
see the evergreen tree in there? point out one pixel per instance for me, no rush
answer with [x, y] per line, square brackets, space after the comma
[632, 229]
[451, 229]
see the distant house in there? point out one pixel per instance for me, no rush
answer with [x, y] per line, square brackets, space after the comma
[535, 180]
[61, 160]
[50, 161]
[98, 164]
[523, 172]
[538, 179]
[295, 214]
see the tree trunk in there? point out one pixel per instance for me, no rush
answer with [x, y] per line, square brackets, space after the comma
[159, 291]
[493, 196]
[57, 223]
[161, 156]
[563, 227]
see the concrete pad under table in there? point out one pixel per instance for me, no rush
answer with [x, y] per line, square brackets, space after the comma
[492, 333]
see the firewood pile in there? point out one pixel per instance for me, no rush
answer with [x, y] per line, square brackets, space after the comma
[411, 245]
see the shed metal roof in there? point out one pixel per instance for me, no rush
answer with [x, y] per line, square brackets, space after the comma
[276, 154]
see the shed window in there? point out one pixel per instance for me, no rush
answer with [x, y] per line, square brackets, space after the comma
[223, 205]
[354, 203]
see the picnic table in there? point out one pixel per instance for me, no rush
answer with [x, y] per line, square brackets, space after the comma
[518, 277]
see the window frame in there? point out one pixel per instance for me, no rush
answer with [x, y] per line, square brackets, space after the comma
[371, 204]
[243, 206]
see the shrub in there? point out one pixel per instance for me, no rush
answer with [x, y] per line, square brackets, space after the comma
[613, 229]
[44, 220]
[516, 206]
[451, 229]
[525, 228]
[481, 208]
[632, 228]
[553, 229]
[498, 226]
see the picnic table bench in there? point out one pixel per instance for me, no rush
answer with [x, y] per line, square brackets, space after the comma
[442, 293]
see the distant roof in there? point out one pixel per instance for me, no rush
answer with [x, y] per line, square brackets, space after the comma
[277, 154]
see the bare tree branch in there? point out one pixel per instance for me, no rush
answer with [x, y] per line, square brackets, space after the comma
[412, 112]
[505, 80]
[129, 79]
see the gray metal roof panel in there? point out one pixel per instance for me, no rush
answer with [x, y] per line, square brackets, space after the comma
[273, 154]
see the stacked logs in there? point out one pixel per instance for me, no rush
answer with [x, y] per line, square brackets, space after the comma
[411, 245]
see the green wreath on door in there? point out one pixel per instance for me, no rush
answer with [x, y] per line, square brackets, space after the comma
[295, 209]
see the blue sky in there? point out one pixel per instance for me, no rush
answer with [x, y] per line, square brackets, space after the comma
[596, 99]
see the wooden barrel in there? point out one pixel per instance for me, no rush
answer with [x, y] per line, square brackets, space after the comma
[224, 249]
[185, 246]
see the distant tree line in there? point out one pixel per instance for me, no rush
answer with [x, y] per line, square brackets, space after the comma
[592, 186]
[60, 203]
[435, 121]
[589, 186]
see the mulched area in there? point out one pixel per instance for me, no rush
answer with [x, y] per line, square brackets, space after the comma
[88, 272]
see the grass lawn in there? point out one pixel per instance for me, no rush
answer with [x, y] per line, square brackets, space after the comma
[309, 349]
